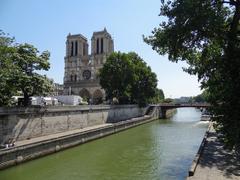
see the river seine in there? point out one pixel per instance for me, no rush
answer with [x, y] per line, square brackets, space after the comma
[159, 150]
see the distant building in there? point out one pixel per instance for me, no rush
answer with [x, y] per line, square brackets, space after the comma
[81, 68]
[57, 89]
[183, 100]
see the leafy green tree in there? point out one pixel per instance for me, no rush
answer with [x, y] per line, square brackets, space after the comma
[27, 60]
[19, 63]
[128, 78]
[116, 77]
[201, 98]
[7, 83]
[159, 96]
[206, 34]
[168, 100]
[144, 83]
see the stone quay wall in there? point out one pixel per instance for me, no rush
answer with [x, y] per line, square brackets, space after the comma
[22, 153]
[18, 124]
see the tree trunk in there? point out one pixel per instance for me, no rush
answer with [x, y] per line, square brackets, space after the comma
[25, 99]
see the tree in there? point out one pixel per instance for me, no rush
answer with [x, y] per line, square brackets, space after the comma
[116, 77]
[7, 84]
[159, 96]
[144, 83]
[206, 34]
[27, 61]
[201, 98]
[168, 100]
[128, 78]
[19, 63]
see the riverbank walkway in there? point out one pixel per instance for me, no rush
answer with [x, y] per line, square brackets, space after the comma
[59, 135]
[215, 162]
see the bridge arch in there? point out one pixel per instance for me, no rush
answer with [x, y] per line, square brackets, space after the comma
[164, 107]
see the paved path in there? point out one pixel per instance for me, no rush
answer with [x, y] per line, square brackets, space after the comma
[216, 163]
[58, 135]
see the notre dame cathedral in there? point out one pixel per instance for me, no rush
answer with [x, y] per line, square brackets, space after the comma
[81, 68]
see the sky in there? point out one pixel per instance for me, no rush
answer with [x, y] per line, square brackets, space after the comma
[46, 23]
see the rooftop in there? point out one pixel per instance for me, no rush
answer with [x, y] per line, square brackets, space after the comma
[76, 35]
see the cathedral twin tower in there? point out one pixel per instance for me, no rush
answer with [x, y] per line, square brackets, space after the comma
[81, 68]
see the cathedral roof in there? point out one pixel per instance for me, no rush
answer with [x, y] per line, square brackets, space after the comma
[76, 35]
[104, 31]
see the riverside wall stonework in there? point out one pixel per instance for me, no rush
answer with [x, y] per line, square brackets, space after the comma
[20, 124]
[34, 148]
[20, 154]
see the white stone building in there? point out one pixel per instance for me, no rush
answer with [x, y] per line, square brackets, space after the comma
[81, 68]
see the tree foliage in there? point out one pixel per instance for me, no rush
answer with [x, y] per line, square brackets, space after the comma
[168, 100]
[7, 74]
[27, 60]
[18, 66]
[206, 34]
[143, 86]
[116, 77]
[128, 78]
[159, 96]
[201, 98]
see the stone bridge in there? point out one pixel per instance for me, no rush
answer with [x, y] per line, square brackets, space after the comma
[162, 108]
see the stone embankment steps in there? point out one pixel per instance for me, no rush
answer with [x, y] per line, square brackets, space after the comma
[150, 110]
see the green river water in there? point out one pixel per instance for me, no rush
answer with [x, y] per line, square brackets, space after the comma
[161, 150]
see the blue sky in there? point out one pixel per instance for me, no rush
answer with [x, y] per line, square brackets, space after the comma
[46, 23]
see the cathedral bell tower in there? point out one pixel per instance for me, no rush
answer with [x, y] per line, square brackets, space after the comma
[76, 56]
[102, 46]
[81, 69]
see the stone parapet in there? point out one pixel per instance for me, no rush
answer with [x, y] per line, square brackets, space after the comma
[17, 124]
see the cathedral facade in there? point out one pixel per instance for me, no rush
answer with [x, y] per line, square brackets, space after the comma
[81, 68]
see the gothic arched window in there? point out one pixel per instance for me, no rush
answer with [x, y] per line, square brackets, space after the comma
[71, 48]
[101, 45]
[84, 49]
[76, 48]
[97, 46]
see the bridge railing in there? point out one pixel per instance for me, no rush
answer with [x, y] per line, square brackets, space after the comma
[184, 105]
